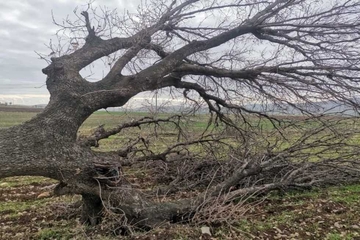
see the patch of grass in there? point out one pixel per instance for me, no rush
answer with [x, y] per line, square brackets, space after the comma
[244, 225]
[347, 199]
[25, 180]
[282, 218]
[345, 194]
[55, 233]
[338, 236]
[9, 119]
[17, 207]
[296, 196]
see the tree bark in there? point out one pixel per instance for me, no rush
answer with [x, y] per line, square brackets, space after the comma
[44, 146]
[47, 146]
[91, 209]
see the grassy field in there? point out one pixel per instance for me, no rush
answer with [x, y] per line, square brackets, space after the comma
[28, 211]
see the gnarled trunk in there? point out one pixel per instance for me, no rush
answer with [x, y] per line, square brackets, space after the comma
[47, 146]
[44, 146]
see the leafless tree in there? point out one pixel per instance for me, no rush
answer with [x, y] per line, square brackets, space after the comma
[281, 56]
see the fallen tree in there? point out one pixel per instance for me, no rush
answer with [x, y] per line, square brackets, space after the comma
[289, 56]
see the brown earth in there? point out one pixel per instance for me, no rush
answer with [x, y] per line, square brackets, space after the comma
[27, 213]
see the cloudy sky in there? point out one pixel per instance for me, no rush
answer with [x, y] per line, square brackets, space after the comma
[26, 27]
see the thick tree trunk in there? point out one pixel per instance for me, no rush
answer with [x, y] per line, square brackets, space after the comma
[46, 146]
[91, 209]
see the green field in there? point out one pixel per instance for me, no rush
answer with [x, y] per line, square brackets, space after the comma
[28, 211]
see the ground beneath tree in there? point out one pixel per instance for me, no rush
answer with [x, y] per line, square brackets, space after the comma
[28, 211]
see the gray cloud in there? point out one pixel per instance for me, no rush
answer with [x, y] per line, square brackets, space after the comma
[26, 27]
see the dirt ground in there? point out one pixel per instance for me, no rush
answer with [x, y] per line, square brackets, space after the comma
[28, 211]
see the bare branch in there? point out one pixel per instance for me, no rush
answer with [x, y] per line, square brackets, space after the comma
[100, 133]
[90, 29]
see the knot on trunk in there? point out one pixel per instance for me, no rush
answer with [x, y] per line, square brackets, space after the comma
[54, 67]
[110, 175]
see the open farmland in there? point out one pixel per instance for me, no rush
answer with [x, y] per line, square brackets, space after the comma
[29, 211]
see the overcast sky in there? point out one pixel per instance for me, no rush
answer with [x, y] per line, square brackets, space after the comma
[26, 25]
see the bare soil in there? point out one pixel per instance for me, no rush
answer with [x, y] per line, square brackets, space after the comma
[334, 213]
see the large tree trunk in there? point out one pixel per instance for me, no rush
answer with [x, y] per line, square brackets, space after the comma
[46, 146]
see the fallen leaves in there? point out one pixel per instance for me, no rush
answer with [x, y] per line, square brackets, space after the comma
[44, 195]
